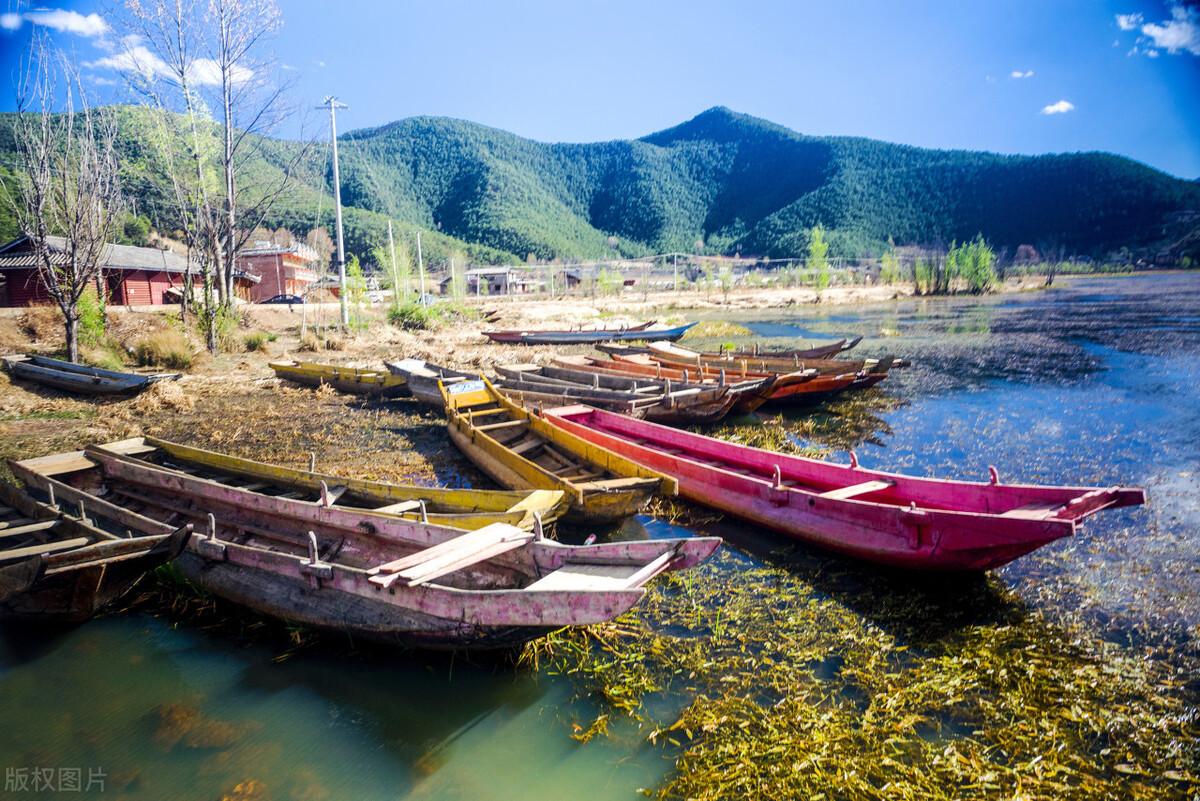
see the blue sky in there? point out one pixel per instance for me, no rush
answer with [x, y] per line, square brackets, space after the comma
[1015, 76]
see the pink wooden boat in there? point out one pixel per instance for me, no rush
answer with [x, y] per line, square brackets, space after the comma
[919, 523]
[365, 572]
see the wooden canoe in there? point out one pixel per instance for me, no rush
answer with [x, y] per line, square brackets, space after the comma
[516, 337]
[353, 380]
[828, 351]
[803, 386]
[57, 564]
[641, 333]
[461, 508]
[79, 378]
[534, 395]
[370, 575]
[422, 378]
[903, 521]
[520, 450]
[671, 354]
[748, 395]
[650, 400]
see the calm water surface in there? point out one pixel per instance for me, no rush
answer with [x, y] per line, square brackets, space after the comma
[1094, 382]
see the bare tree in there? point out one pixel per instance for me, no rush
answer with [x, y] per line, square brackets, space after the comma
[187, 58]
[69, 186]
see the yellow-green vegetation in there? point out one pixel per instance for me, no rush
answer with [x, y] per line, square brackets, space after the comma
[802, 683]
[169, 348]
[257, 340]
[712, 329]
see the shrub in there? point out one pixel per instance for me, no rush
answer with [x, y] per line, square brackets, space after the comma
[164, 349]
[310, 342]
[412, 316]
[257, 340]
[91, 318]
[107, 357]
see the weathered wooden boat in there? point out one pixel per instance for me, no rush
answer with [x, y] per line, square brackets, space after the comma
[656, 401]
[903, 521]
[461, 508]
[827, 351]
[534, 396]
[520, 450]
[79, 378]
[357, 381]
[423, 377]
[371, 575]
[513, 337]
[802, 386]
[641, 333]
[748, 395]
[58, 563]
[673, 355]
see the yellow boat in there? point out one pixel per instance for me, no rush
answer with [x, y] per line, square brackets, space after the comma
[346, 379]
[522, 451]
[460, 508]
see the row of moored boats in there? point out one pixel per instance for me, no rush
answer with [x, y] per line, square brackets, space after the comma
[583, 440]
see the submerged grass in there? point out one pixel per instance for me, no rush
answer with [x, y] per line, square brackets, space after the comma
[795, 687]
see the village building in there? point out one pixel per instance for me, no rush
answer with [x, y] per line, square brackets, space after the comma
[280, 270]
[133, 276]
[496, 281]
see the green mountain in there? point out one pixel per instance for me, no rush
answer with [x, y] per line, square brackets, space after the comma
[739, 183]
[744, 184]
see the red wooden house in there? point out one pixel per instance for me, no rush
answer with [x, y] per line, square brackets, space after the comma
[134, 276]
[279, 270]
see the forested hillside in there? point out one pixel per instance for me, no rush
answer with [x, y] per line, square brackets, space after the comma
[733, 182]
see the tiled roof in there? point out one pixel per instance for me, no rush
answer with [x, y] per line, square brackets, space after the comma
[16, 254]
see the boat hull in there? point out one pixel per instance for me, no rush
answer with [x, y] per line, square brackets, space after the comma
[79, 379]
[587, 337]
[990, 530]
[369, 383]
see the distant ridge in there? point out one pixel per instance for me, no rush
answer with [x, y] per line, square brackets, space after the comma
[738, 183]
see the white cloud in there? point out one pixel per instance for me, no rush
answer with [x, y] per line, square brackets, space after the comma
[1061, 107]
[1180, 33]
[320, 63]
[1129, 22]
[1020, 74]
[137, 59]
[69, 21]
[10, 22]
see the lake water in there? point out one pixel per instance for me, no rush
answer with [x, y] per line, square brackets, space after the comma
[1094, 382]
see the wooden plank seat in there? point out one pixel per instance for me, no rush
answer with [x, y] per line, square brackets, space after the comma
[43, 549]
[1032, 511]
[30, 528]
[505, 424]
[447, 557]
[854, 490]
[574, 576]
[398, 508]
[524, 447]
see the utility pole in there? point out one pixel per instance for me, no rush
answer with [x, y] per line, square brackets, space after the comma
[421, 268]
[332, 104]
[395, 272]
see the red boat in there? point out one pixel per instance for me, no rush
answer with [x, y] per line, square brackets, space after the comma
[917, 523]
[801, 386]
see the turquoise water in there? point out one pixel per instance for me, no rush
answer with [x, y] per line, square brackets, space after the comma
[1095, 382]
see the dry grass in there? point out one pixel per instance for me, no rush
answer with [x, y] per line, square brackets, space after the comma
[170, 349]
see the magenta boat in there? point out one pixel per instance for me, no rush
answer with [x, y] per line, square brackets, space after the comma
[891, 519]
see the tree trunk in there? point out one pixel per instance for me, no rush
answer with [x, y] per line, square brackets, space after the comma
[71, 330]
